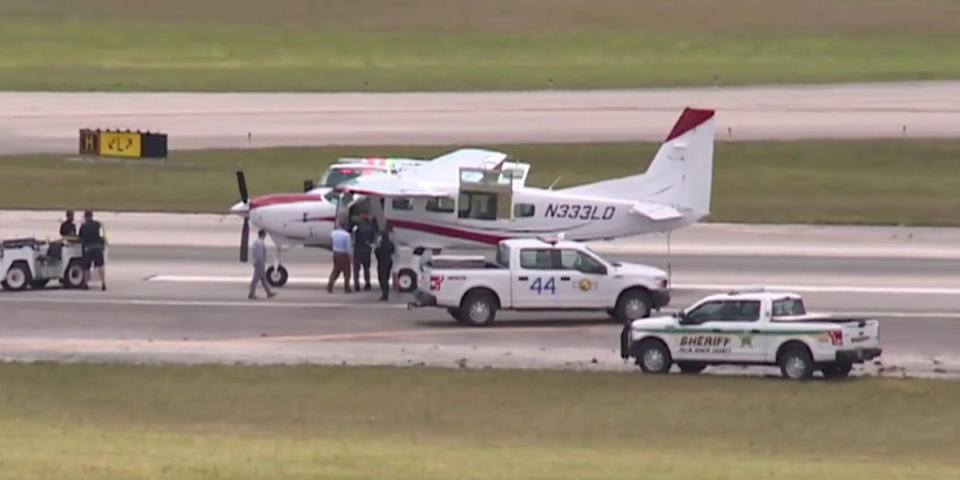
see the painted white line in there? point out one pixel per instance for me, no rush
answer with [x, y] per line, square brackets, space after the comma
[824, 289]
[896, 290]
[198, 303]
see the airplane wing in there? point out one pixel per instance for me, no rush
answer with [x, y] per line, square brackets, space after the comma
[430, 179]
[655, 211]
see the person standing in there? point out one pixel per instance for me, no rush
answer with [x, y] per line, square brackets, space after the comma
[365, 234]
[68, 229]
[260, 266]
[93, 243]
[340, 240]
[385, 252]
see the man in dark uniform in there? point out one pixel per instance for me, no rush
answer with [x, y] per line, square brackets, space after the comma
[91, 238]
[385, 251]
[365, 234]
[68, 228]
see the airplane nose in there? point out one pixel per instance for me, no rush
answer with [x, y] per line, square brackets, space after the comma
[240, 208]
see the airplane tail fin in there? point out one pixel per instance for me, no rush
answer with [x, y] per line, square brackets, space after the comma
[681, 174]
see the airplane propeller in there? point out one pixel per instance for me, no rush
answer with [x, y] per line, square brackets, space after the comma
[245, 232]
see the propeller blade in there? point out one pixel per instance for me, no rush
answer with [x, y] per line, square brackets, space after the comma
[244, 240]
[242, 185]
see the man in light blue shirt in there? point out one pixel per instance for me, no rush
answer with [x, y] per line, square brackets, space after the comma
[259, 266]
[340, 240]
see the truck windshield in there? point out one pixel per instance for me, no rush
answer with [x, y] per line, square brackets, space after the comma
[788, 307]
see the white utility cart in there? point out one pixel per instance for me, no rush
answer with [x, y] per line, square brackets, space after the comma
[29, 262]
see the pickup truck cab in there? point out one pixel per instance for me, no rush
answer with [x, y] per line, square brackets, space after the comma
[752, 327]
[535, 274]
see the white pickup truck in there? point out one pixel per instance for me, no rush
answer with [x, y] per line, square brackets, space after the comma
[751, 327]
[534, 274]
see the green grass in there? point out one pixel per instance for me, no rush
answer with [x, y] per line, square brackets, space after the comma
[113, 421]
[910, 182]
[384, 45]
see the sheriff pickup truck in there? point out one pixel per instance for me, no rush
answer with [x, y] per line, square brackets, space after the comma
[535, 274]
[751, 327]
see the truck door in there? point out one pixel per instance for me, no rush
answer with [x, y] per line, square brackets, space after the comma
[722, 330]
[582, 280]
[535, 280]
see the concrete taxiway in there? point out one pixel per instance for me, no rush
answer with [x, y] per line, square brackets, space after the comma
[48, 122]
[178, 294]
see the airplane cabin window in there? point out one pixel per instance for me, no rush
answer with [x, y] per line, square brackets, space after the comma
[478, 206]
[441, 205]
[401, 204]
[524, 210]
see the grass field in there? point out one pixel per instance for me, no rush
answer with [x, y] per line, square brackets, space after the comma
[386, 45]
[869, 182]
[111, 421]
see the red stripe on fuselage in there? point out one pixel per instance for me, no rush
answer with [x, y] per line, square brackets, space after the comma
[434, 229]
[282, 198]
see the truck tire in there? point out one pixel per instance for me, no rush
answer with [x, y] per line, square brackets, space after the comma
[631, 305]
[478, 308]
[406, 280]
[17, 277]
[73, 275]
[277, 277]
[691, 367]
[653, 356]
[837, 370]
[795, 362]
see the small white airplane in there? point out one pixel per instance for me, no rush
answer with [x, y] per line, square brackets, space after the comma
[471, 197]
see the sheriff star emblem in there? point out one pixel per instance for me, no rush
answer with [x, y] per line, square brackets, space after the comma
[746, 340]
[585, 284]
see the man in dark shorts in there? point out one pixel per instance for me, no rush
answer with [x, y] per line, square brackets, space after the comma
[91, 238]
[365, 235]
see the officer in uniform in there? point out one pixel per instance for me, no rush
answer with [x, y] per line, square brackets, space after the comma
[385, 252]
[365, 234]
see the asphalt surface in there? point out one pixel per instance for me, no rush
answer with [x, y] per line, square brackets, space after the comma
[49, 122]
[181, 303]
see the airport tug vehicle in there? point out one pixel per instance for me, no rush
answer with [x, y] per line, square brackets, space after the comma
[751, 327]
[28, 262]
[540, 274]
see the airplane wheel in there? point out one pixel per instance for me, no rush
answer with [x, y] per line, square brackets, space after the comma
[17, 277]
[277, 277]
[406, 280]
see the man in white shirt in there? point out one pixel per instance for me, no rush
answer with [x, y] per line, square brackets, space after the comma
[341, 258]
[259, 266]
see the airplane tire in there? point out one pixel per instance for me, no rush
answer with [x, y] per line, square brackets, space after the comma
[277, 277]
[406, 280]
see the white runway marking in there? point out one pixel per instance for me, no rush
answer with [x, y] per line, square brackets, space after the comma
[897, 290]
[261, 303]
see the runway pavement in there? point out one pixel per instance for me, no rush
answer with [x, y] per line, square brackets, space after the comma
[178, 294]
[49, 122]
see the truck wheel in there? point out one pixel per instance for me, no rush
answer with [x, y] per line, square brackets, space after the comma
[795, 363]
[691, 367]
[653, 356]
[478, 308]
[73, 275]
[837, 370]
[17, 277]
[406, 280]
[277, 277]
[631, 305]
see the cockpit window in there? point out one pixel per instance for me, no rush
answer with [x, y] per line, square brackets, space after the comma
[333, 197]
[340, 175]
